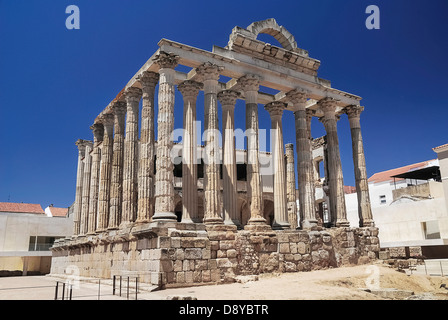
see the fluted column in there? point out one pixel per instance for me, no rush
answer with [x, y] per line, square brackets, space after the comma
[81, 144]
[304, 159]
[229, 179]
[98, 132]
[209, 74]
[84, 219]
[275, 110]
[164, 191]
[129, 207]
[359, 161]
[335, 177]
[146, 179]
[250, 85]
[190, 90]
[291, 186]
[116, 188]
[105, 173]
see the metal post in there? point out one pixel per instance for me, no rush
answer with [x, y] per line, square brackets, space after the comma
[120, 285]
[136, 288]
[99, 288]
[71, 291]
[127, 293]
[441, 268]
[56, 291]
[426, 270]
[63, 290]
[113, 285]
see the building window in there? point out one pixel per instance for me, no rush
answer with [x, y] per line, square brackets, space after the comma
[38, 243]
[383, 199]
[431, 229]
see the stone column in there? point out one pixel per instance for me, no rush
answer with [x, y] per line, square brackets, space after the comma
[209, 74]
[105, 173]
[129, 206]
[250, 85]
[146, 179]
[190, 90]
[304, 159]
[164, 184]
[116, 188]
[84, 219]
[98, 132]
[359, 161]
[275, 110]
[335, 177]
[81, 144]
[228, 99]
[291, 186]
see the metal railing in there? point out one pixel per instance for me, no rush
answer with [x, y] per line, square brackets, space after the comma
[65, 286]
[120, 278]
[436, 267]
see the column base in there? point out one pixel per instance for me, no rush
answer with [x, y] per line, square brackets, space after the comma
[256, 221]
[212, 221]
[309, 224]
[367, 223]
[281, 226]
[342, 223]
[164, 216]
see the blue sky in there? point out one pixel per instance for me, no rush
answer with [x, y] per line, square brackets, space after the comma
[54, 81]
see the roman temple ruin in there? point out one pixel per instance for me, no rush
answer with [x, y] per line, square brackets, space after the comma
[183, 214]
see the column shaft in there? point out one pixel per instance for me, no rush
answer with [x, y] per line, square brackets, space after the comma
[98, 132]
[116, 192]
[335, 177]
[229, 178]
[146, 177]
[129, 207]
[304, 160]
[105, 173]
[190, 90]
[81, 144]
[361, 179]
[291, 186]
[84, 219]
[212, 189]
[275, 110]
[164, 185]
[250, 85]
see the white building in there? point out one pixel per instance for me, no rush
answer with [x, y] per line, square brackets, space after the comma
[409, 208]
[26, 234]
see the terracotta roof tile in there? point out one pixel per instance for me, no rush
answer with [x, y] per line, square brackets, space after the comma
[58, 212]
[21, 207]
[386, 175]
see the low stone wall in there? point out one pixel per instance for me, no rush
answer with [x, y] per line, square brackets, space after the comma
[170, 254]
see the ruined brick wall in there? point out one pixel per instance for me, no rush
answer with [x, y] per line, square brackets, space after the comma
[174, 255]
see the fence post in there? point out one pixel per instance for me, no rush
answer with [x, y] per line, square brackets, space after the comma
[63, 290]
[441, 268]
[127, 290]
[136, 287]
[113, 285]
[56, 291]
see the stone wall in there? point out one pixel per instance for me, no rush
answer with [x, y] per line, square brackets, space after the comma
[174, 254]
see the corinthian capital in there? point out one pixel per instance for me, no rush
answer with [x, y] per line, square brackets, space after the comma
[275, 108]
[249, 82]
[189, 88]
[297, 97]
[119, 107]
[228, 97]
[328, 105]
[148, 79]
[98, 131]
[133, 94]
[166, 60]
[209, 71]
[353, 111]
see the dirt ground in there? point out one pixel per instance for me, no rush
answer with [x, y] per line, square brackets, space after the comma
[345, 283]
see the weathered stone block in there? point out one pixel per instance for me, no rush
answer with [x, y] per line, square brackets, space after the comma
[284, 248]
[193, 253]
